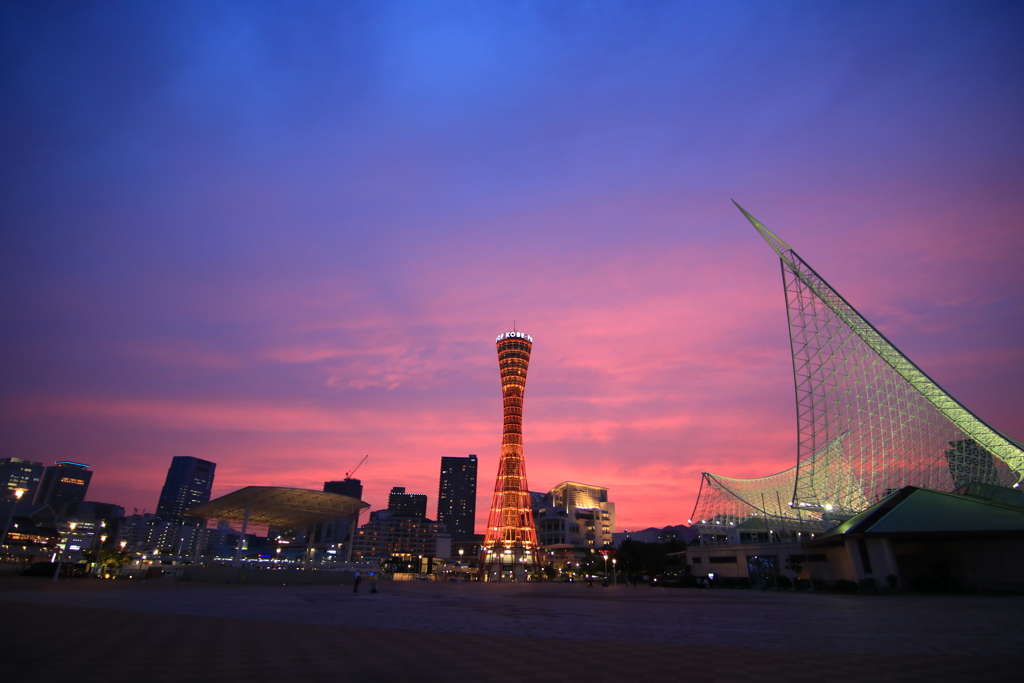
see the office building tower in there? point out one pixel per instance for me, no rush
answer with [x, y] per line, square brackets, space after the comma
[345, 487]
[402, 504]
[63, 483]
[510, 542]
[333, 532]
[456, 496]
[16, 473]
[189, 482]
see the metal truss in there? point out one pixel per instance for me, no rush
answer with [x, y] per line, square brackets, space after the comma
[279, 506]
[725, 502]
[895, 425]
[510, 543]
[869, 421]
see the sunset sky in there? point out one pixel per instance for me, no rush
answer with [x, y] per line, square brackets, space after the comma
[281, 236]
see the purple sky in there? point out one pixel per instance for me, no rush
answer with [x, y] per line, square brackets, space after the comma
[280, 237]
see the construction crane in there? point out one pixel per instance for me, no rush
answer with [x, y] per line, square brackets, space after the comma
[348, 475]
[355, 517]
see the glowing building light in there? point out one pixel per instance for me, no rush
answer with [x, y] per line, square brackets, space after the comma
[510, 525]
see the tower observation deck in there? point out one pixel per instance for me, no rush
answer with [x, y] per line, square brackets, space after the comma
[510, 545]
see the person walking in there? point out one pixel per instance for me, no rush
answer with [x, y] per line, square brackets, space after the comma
[355, 584]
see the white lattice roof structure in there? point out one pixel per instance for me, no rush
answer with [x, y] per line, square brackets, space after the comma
[279, 506]
[869, 421]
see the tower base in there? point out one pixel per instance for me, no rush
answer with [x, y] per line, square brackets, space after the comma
[509, 565]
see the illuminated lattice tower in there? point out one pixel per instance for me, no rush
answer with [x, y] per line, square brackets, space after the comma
[510, 544]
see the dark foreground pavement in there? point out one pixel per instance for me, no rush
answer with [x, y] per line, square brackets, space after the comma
[164, 630]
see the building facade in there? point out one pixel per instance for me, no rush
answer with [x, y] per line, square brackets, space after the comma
[575, 514]
[334, 533]
[63, 483]
[32, 535]
[456, 497]
[16, 473]
[189, 483]
[402, 504]
[97, 525]
[401, 540]
[345, 487]
[145, 534]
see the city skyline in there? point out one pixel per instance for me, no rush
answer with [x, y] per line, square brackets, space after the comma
[280, 240]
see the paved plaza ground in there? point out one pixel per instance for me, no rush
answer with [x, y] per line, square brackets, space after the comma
[167, 630]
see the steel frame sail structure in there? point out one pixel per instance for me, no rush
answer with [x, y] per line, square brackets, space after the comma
[869, 421]
[725, 502]
[899, 427]
[509, 551]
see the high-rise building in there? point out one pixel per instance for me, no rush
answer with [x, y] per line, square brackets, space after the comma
[510, 542]
[63, 483]
[456, 496]
[16, 473]
[402, 504]
[345, 487]
[331, 533]
[189, 482]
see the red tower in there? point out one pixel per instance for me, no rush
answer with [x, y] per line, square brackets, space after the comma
[510, 544]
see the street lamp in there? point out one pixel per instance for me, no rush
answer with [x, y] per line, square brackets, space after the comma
[99, 549]
[120, 559]
[60, 557]
[615, 574]
[18, 493]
